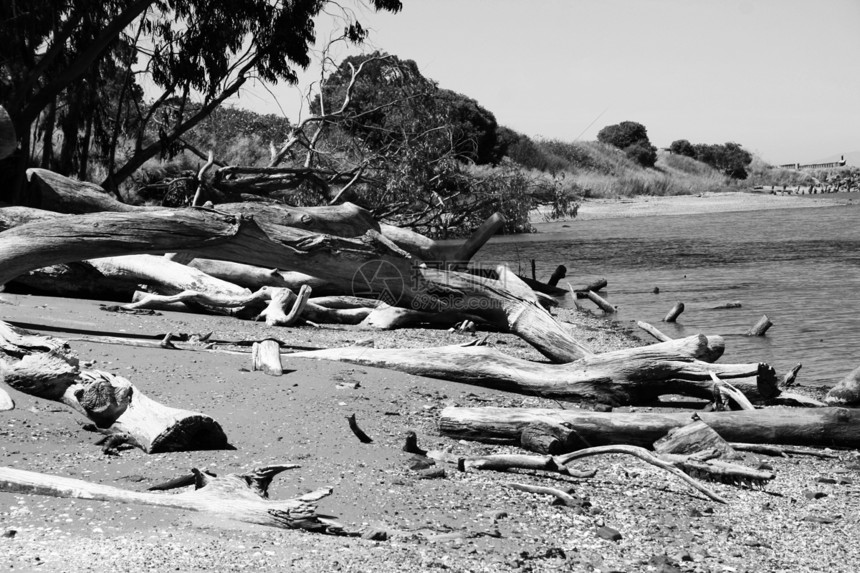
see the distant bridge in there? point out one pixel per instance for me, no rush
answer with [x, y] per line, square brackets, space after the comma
[832, 164]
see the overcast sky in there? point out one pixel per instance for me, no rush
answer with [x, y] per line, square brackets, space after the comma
[780, 77]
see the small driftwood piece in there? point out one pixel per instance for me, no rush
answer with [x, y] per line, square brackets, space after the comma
[791, 376]
[6, 402]
[601, 302]
[280, 300]
[653, 331]
[694, 437]
[675, 312]
[411, 445]
[266, 356]
[582, 290]
[45, 367]
[719, 470]
[151, 300]
[724, 388]
[559, 273]
[760, 327]
[507, 462]
[238, 497]
[563, 497]
[359, 433]
[780, 451]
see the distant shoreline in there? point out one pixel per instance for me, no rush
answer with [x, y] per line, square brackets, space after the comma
[710, 202]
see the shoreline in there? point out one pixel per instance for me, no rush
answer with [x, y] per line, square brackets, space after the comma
[703, 203]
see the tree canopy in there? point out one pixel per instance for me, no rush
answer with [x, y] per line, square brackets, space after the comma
[55, 51]
[632, 138]
[730, 158]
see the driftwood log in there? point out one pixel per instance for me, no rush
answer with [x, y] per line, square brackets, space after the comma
[674, 312]
[53, 192]
[369, 265]
[760, 327]
[45, 367]
[822, 427]
[629, 376]
[238, 497]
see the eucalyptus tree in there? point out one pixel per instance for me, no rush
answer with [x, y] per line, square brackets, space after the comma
[184, 47]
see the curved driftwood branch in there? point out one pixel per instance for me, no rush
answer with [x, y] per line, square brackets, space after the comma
[645, 456]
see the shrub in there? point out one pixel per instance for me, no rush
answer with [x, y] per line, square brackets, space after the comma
[682, 147]
[632, 137]
[642, 153]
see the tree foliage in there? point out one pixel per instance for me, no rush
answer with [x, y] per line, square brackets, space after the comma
[51, 47]
[413, 150]
[682, 147]
[391, 102]
[729, 158]
[632, 138]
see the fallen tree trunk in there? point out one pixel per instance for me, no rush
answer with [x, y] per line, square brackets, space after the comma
[629, 376]
[46, 368]
[239, 497]
[53, 192]
[74, 280]
[823, 427]
[370, 265]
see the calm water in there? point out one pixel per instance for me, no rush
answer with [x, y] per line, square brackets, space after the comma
[801, 267]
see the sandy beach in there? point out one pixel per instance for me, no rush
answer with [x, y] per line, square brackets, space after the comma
[649, 206]
[804, 520]
[461, 522]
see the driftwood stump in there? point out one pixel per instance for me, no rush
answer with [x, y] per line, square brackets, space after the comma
[45, 367]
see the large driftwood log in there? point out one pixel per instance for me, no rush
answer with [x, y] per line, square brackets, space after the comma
[54, 192]
[238, 497]
[370, 265]
[45, 367]
[629, 376]
[825, 427]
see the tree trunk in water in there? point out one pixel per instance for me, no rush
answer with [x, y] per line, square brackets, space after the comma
[45, 367]
[622, 377]
[823, 427]
[604, 304]
[760, 327]
[675, 312]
